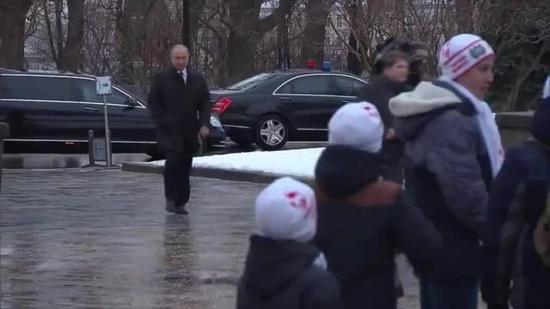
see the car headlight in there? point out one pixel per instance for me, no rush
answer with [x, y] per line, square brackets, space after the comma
[215, 122]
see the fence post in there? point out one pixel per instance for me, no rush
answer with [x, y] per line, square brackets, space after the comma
[91, 151]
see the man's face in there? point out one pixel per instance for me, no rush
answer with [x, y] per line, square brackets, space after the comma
[179, 58]
[479, 78]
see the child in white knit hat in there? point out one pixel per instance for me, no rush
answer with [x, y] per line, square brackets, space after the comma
[283, 270]
[364, 218]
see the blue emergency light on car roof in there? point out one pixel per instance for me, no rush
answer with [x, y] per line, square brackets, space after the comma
[326, 66]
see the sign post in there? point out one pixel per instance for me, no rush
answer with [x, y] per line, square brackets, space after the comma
[103, 87]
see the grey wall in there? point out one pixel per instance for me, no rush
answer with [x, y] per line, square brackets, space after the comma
[514, 127]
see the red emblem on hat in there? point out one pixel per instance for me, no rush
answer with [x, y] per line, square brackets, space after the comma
[371, 111]
[297, 200]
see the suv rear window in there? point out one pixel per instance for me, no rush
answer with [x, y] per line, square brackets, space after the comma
[37, 88]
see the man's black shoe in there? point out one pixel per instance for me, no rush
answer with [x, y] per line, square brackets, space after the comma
[180, 210]
[171, 207]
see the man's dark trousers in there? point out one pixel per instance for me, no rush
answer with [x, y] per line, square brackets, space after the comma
[177, 169]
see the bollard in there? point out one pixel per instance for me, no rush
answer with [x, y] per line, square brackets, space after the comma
[4, 132]
[91, 153]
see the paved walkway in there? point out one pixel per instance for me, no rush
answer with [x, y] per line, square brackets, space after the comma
[101, 239]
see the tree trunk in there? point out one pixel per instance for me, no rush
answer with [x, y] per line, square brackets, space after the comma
[531, 65]
[354, 62]
[59, 31]
[197, 6]
[354, 54]
[247, 28]
[55, 53]
[131, 35]
[75, 31]
[192, 10]
[12, 32]
[241, 54]
[464, 16]
[186, 24]
[313, 40]
[284, 44]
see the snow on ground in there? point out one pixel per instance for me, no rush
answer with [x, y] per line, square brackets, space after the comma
[295, 163]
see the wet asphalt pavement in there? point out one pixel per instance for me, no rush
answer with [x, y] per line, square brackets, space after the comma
[101, 238]
[97, 238]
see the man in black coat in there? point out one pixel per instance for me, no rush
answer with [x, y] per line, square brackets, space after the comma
[179, 104]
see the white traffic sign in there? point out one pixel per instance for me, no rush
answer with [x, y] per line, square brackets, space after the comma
[103, 85]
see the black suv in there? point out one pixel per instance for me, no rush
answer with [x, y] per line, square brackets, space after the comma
[52, 112]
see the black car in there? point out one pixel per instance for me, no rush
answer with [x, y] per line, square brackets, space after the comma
[52, 112]
[270, 109]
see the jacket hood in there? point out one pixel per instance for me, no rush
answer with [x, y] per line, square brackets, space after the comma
[412, 110]
[426, 97]
[342, 171]
[273, 265]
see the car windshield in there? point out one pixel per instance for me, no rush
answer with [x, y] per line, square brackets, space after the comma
[251, 82]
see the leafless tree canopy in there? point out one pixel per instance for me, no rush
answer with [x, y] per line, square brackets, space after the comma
[233, 39]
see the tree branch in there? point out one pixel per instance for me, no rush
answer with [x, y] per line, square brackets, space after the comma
[269, 22]
[50, 32]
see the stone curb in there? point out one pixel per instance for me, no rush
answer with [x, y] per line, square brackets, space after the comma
[235, 175]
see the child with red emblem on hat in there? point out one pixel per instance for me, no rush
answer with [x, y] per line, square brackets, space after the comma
[283, 269]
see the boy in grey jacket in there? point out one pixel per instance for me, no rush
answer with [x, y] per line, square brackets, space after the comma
[452, 153]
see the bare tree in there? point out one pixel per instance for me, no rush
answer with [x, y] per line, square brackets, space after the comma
[99, 45]
[192, 10]
[131, 16]
[465, 15]
[12, 32]
[71, 57]
[246, 29]
[371, 22]
[520, 32]
[33, 21]
[283, 42]
[313, 40]
[65, 45]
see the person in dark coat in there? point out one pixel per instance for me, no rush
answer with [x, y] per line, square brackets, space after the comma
[389, 79]
[179, 104]
[514, 272]
[452, 152]
[283, 269]
[417, 56]
[364, 219]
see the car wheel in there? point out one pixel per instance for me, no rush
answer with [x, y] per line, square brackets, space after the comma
[271, 132]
